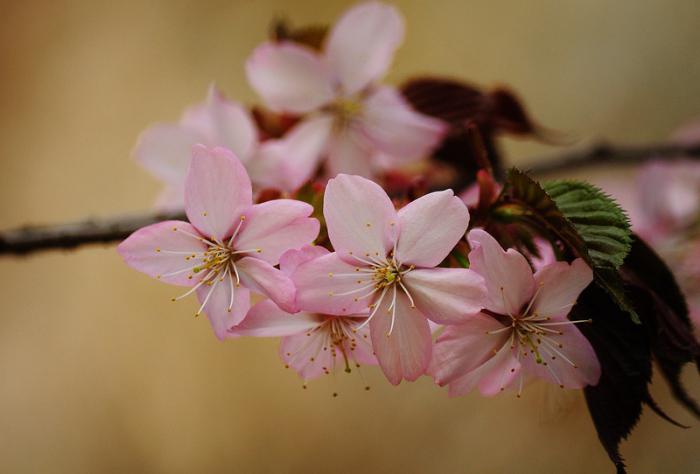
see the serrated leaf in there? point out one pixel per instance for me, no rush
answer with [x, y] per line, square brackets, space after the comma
[602, 224]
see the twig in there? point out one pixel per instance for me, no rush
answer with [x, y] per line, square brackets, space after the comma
[28, 239]
[605, 153]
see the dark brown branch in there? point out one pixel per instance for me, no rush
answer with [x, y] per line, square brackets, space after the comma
[30, 239]
[605, 153]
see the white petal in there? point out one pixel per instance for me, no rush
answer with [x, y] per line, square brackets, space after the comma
[289, 77]
[362, 44]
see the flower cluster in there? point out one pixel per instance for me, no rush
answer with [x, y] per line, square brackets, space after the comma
[371, 299]
[343, 120]
[312, 219]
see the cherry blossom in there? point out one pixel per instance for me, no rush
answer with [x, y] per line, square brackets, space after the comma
[312, 344]
[663, 204]
[523, 330]
[229, 246]
[384, 262]
[165, 149]
[360, 123]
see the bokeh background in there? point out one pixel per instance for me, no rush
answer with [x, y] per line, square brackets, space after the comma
[100, 372]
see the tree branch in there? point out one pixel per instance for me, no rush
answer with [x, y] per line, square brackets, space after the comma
[606, 153]
[28, 239]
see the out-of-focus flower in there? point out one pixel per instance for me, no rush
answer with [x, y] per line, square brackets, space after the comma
[229, 247]
[384, 262]
[523, 331]
[663, 204]
[165, 149]
[312, 344]
[360, 123]
[668, 216]
[669, 199]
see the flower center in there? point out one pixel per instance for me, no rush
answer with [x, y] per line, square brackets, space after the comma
[378, 276]
[537, 335]
[335, 338]
[386, 276]
[217, 264]
[345, 110]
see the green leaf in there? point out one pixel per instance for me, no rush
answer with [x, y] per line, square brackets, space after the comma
[601, 223]
[588, 222]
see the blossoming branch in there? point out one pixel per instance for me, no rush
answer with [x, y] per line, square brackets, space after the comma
[370, 225]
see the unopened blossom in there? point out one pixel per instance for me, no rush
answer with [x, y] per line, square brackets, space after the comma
[523, 331]
[361, 123]
[165, 149]
[312, 344]
[385, 263]
[229, 246]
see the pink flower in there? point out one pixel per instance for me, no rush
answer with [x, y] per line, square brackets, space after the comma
[166, 149]
[358, 122]
[523, 331]
[669, 199]
[312, 344]
[230, 245]
[384, 262]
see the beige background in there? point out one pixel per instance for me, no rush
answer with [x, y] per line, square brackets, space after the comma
[99, 372]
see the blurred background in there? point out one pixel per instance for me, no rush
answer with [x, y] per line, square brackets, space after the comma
[100, 372]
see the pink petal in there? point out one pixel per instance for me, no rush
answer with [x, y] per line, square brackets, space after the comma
[286, 164]
[224, 123]
[159, 251]
[446, 295]
[492, 377]
[166, 151]
[289, 77]
[470, 196]
[405, 353]
[669, 193]
[558, 287]
[582, 367]
[304, 353]
[360, 217]
[363, 353]
[313, 354]
[273, 227]
[362, 44]
[461, 348]
[266, 319]
[218, 302]
[349, 152]
[291, 259]
[546, 252]
[396, 129]
[217, 189]
[508, 276]
[320, 286]
[263, 278]
[430, 228]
